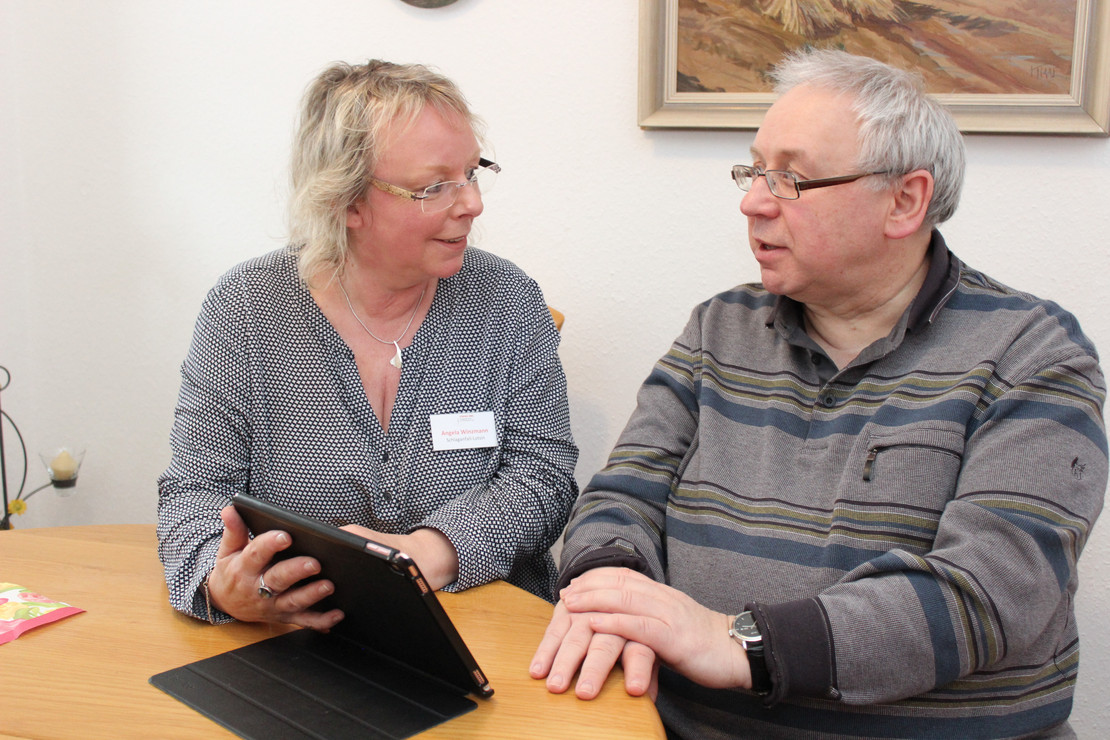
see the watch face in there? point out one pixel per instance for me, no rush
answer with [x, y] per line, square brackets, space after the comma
[745, 628]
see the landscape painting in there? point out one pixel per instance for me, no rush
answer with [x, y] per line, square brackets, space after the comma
[1002, 65]
[965, 46]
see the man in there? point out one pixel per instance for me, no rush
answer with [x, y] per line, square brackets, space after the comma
[851, 499]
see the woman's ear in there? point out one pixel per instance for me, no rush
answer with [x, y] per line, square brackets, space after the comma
[358, 214]
[910, 204]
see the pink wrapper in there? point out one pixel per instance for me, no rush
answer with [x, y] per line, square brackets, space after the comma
[22, 609]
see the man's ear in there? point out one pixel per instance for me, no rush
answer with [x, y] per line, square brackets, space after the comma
[910, 203]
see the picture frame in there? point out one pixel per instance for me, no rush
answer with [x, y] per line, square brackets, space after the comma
[1083, 109]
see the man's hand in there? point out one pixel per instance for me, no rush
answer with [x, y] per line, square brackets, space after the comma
[570, 644]
[688, 637]
[240, 564]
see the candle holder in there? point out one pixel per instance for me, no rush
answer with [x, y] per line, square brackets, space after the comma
[62, 465]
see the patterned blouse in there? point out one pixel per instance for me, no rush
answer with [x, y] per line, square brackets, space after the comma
[272, 403]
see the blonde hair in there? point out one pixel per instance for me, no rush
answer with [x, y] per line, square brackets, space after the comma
[344, 117]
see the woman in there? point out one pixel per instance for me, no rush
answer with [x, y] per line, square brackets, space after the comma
[324, 376]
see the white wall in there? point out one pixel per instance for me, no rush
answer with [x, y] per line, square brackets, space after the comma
[143, 149]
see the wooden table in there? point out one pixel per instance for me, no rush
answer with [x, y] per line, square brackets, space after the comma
[86, 676]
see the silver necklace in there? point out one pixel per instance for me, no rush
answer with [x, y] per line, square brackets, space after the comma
[396, 361]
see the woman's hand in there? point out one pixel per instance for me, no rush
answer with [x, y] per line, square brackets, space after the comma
[433, 552]
[242, 564]
[690, 638]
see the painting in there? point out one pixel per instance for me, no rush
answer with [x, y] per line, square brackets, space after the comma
[1001, 66]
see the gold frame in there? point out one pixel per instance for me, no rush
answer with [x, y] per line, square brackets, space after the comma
[1085, 111]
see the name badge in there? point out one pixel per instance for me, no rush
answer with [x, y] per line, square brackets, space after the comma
[463, 431]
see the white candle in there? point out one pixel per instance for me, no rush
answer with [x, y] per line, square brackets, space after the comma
[63, 466]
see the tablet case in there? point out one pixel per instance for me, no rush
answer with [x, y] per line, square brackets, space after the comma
[394, 666]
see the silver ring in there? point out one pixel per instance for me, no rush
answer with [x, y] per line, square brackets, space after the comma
[263, 590]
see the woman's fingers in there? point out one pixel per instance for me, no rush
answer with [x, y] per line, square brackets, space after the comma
[295, 606]
[244, 565]
[236, 536]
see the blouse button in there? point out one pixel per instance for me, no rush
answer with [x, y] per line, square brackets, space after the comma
[828, 401]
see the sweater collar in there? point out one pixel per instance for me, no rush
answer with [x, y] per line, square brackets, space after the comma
[940, 283]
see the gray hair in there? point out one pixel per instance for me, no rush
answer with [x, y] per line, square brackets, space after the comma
[345, 114]
[901, 128]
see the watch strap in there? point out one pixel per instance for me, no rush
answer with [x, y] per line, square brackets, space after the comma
[761, 677]
[747, 632]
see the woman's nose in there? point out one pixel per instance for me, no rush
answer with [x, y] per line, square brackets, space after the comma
[469, 200]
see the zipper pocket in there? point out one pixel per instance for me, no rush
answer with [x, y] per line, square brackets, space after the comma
[873, 453]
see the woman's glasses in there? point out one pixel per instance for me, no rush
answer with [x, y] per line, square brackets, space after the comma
[442, 195]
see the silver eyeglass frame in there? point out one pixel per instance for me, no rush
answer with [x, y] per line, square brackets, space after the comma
[751, 173]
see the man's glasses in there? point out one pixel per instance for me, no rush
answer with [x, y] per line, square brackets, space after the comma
[784, 184]
[442, 195]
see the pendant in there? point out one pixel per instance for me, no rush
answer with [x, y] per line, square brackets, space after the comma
[396, 361]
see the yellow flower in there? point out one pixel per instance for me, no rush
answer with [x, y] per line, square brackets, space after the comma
[18, 506]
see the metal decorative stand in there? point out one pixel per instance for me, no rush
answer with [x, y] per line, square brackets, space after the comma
[64, 479]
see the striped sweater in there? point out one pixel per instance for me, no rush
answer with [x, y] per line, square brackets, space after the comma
[906, 529]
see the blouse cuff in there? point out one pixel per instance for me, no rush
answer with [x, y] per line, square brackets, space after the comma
[202, 605]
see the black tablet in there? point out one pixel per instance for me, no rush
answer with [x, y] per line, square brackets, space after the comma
[394, 667]
[388, 606]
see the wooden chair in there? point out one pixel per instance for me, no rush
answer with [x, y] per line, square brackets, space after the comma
[558, 316]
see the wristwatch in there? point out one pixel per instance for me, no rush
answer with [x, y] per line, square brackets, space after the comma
[745, 631]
